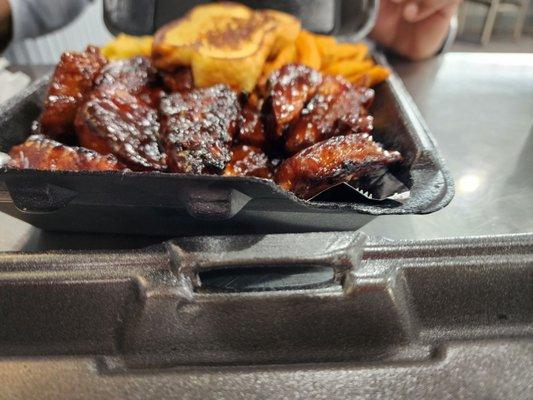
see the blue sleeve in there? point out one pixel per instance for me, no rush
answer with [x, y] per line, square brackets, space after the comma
[32, 18]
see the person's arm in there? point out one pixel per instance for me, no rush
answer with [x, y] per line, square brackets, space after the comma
[415, 29]
[6, 28]
[32, 18]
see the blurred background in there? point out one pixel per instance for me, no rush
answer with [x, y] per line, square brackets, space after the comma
[87, 28]
[483, 25]
[495, 26]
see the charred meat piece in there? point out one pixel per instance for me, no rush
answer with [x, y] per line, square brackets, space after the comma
[251, 129]
[120, 116]
[365, 124]
[288, 90]
[334, 110]
[198, 127]
[71, 82]
[367, 97]
[333, 161]
[248, 161]
[179, 80]
[39, 152]
[134, 75]
[115, 121]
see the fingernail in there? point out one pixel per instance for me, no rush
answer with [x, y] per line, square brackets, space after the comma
[410, 11]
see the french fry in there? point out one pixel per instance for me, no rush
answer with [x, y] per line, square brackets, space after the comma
[287, 55]
[332, 52]
[360, 80]
[348, 67]
[372, 77]
[326, 46]
[307, 51]
[324, 43]
[378, 74]
[126, 46]
[353, 51]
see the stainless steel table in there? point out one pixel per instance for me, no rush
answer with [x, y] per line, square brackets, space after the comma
[479, 108]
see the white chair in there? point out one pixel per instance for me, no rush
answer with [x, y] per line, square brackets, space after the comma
[493, 8]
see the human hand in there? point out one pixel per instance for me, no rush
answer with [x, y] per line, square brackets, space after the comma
[415, 29]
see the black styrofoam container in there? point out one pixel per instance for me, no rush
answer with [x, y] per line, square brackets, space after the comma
[267, 299]
[245, 317]
[154, 203]
[354, 18]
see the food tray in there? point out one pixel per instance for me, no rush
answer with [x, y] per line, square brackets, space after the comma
[319, 315]
[154, 203]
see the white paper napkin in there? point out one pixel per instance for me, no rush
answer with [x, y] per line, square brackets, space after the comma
[11, 82]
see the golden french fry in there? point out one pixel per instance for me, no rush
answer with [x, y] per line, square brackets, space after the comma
[307, 51]
[335, 52]
[125, 46]
[378, 74]
[324, 43]
[357, 51]
[348, 67]
[287, 55]
[372, 77]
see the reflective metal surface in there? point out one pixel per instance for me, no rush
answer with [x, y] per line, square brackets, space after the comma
[480, 110]
[479, 107]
